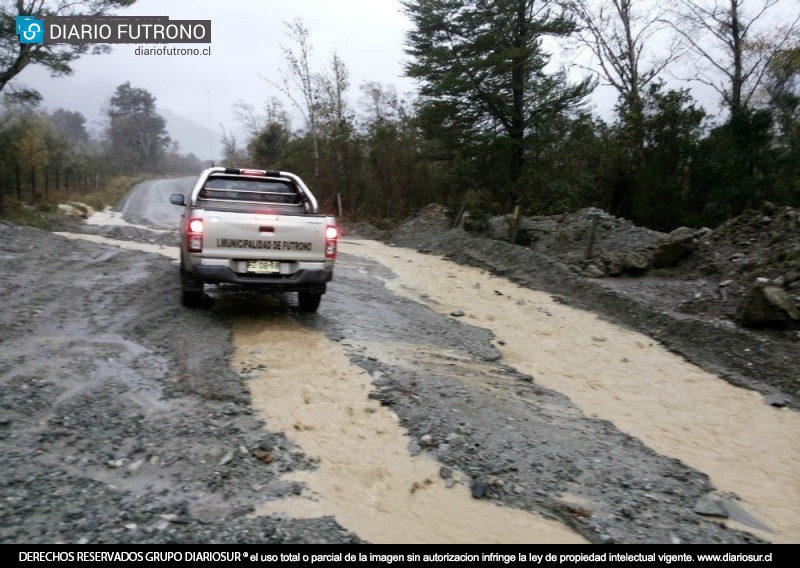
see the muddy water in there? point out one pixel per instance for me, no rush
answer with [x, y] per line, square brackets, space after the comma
[170, 252]
[365, 477]
[370, 483]
[743, 445]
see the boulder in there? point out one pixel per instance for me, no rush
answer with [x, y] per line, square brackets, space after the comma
[636, 262]
[767, 305]
[676, 246]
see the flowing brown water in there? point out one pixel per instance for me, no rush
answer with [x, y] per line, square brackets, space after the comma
[368, 480]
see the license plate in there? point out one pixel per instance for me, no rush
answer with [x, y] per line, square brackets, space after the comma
[263, 266]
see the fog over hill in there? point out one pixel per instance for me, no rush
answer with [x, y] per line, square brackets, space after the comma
[92, 101]
[192, 137]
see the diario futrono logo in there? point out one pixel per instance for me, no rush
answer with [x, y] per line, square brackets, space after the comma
[111, 29]
[29, 29]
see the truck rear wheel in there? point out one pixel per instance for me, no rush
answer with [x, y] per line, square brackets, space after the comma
[191, 290]
[308, 301]
[191, 299]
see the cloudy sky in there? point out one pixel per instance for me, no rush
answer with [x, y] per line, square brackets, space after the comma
[367, 35]
[247, 36]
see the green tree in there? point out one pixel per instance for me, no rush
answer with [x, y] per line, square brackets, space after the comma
[395, 178]
[135, 130]
[674, 127]
[737, 165]
[484, 83]
[71, 125]
[782, 87]
[267, 133]
[16, 56]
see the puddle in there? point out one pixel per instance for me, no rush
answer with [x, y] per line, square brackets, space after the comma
[170, 252]
[745, 446]
[366, 477]
[110, 218]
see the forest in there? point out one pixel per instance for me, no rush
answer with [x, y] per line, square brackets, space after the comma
[498, 121]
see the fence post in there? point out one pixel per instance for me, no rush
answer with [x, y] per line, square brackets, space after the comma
[19, 182]
[514, 226]
[34, 197]
[590, 240]
[46, 184]
[459, 216]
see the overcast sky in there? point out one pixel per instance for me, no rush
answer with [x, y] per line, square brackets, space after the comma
[246, 41]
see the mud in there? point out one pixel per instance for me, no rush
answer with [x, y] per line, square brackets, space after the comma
[128, 418]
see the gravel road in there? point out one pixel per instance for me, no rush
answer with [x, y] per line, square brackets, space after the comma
[127, 418]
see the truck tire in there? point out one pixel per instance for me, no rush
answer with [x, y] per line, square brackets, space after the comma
[308, 301]
[191, 299]
[191, 290]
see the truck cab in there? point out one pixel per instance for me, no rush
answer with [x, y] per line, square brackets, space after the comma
[256, 229]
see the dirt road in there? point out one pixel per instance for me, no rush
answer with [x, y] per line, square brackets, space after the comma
[424, 402]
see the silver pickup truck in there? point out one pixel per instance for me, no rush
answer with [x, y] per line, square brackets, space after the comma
[255, 228]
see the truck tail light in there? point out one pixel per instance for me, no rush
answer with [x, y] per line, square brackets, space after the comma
[331, 237]
[194, 235]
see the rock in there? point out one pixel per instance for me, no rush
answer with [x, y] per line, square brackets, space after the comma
[479, 490]
[776, 400]
[614, 267]
[457, 313]
[635, 262]
[676, 246]
[703, 233]
[711, 506]
[766, 305]
[592, 271]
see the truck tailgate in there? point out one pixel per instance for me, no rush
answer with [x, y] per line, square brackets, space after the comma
[252, 236]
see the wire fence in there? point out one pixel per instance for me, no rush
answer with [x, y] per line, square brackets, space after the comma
[40, 184]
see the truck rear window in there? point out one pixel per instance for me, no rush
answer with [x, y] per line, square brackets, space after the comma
[250, 189]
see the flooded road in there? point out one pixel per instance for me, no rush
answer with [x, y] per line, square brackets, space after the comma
[442, 404]
[366, 477]
[744, 445]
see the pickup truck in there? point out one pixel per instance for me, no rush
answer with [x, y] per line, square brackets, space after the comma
[254, 228]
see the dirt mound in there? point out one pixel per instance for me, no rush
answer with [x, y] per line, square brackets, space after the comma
[728, 299]
[747, 271]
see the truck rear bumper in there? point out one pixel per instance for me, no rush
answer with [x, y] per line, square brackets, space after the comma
[311, 279]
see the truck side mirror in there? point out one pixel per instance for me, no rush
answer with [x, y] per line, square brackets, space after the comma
[177, 199]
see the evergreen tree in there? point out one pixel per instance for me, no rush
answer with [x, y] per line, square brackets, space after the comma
[136, 131]
[485, 90]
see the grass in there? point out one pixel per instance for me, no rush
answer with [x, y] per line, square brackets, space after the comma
[110, 194]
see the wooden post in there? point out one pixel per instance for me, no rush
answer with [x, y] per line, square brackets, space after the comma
[460, 216]
[590, 240]
[34, 197]
[339, 213]
[46, 183]
[19, 182]
[514, 226]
